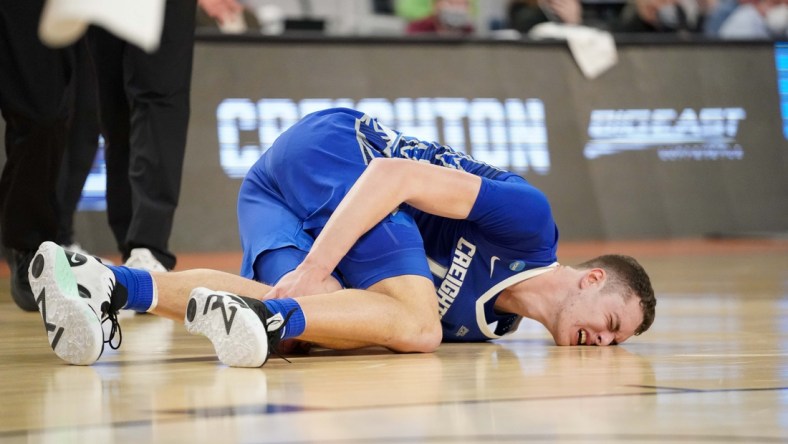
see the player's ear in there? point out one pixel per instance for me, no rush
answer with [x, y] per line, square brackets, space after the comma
[593, 276]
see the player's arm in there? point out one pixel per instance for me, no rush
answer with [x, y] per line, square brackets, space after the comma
[384, 185]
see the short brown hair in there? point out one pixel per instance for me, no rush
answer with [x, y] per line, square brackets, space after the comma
[628, 272]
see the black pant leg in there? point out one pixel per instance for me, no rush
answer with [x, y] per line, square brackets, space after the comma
[107, 53]
[82, 143]
[35, 103]
[158, 87]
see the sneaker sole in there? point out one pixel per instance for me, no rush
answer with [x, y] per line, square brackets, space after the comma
[73, 328]
[246, 344]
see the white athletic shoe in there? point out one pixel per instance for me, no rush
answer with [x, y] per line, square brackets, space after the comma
[77, 248]
[143, 259]
[236, 330]
[73, 295]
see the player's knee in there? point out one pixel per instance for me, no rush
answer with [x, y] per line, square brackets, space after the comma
[330, 285]
[432, 339]
[421, 337]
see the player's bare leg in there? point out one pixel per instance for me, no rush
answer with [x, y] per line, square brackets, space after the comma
[399, 313]
[174, 289]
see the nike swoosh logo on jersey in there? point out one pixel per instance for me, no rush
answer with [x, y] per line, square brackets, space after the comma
[492, 264]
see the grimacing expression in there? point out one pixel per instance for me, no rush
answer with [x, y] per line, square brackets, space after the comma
[597, 318]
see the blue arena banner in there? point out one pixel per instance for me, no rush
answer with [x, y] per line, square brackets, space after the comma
[781, 59]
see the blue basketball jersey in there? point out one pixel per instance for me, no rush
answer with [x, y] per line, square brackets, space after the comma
[508, 237]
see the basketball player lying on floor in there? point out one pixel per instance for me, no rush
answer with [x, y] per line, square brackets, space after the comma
[372, 238]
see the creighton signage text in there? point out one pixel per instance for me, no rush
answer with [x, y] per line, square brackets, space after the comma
[508, 133]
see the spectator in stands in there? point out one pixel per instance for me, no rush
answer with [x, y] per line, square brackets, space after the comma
[525, 14]
[718, 12]
[760, 19]
[412, 10]
[383, 7]
[684, 16]
[220, 10]
[449, 17]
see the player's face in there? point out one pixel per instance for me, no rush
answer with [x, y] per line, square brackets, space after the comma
[596, 318]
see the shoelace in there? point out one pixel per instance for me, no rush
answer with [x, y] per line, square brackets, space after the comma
[112, 316]
[274, 339]
[110, 313]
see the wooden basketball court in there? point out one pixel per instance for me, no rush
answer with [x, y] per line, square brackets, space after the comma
[713, 368]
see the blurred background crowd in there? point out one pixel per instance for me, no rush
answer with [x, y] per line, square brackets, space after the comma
[720, 19]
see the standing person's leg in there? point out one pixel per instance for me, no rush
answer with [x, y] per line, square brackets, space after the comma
[158, 86]
[106, 51]
[82, 143]
[34, 99]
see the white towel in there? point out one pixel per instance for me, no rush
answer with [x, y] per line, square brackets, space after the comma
[594, 50]
[136, 21]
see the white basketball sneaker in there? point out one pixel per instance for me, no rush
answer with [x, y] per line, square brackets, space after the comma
[143, 259]
[73, 292]
[234, 325]
[77, 248]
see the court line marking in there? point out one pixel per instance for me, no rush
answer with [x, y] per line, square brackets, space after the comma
[691, 390]
[743, 355]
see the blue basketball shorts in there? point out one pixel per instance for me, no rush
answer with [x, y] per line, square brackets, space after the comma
[290, 193]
